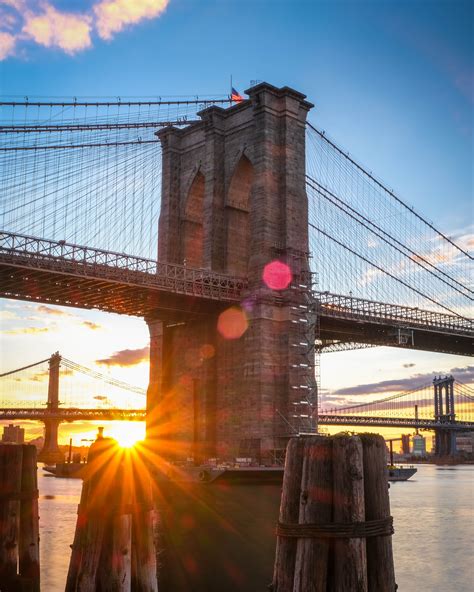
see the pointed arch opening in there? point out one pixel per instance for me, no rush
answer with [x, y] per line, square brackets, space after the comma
[237, 218]
[192, 233]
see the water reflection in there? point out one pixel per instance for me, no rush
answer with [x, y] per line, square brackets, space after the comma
[433, 542]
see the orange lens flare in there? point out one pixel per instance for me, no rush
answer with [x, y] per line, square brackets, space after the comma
[232, 323]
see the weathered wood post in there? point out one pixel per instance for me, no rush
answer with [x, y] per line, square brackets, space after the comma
[284, 571]
[29, 560]
[143, 542]
[113, 548]
[11, 456]
[380, 568]
[343, 527]
[350, 560]
[92, 517]
[311, 566]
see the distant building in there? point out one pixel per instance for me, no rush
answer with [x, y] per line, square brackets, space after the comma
[405, 443]
[418, 445]
[465, 442]
[14, 434]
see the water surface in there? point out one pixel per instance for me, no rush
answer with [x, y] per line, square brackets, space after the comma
[433, 516]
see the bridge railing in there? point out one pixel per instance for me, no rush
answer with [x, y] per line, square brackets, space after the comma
[341, 306]
[70, 258]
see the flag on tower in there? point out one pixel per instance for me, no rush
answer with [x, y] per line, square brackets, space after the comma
[235, 96]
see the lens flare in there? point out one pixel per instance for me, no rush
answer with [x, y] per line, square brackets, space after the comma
[232, 323]
[128, 434]
[277, 275]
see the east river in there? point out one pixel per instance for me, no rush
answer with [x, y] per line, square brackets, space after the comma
[433, 517]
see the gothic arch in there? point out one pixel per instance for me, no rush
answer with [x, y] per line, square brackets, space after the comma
[237, 217]
[192, 233]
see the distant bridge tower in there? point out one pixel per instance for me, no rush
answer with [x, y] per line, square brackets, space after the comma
[234, 200]
[445, 438]
[50, 452]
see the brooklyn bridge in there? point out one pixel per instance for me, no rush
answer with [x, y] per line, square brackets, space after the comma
[274, 246]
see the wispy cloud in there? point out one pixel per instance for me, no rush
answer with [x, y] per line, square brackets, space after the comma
[28, 331]
[44, 24]
[126, 357]
[7, 44]
[52, 311]
[91, 325]
[465, 374]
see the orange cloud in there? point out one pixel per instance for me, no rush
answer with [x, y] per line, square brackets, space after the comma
[53, 28]
[114, 15]
[91, 325]
[52, 311]
[28, 331]
[126, 357]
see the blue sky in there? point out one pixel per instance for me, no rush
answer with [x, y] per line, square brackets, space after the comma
[392, 81]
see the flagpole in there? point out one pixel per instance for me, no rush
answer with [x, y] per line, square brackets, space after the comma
[230, 96]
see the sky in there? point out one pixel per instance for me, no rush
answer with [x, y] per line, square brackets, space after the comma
[391, 80]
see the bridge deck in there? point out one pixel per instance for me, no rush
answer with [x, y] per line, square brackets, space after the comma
[59, 273]
[77, 414]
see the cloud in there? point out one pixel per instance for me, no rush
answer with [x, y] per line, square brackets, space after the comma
[114, 15]
[53, 28]
[52, 311]
[126, 357]
[7, 315]
[465, 374]
[91, 325]
[7, 44]
[28, 331]
[44, 24]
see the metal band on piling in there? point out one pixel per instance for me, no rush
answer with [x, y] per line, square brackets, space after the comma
[332, 530]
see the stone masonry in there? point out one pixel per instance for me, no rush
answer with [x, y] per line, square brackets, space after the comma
[233, 200]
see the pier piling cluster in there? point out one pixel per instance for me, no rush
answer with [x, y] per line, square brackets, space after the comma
[19, 521]
[334, 530]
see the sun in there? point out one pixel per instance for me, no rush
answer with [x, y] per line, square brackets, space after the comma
[127, 433]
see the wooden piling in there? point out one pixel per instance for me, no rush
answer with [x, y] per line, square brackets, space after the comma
[380, 568]
[315, 507]
[349, 571]
[28, 550]
[113, 548]
[284, 570]
[11, 456]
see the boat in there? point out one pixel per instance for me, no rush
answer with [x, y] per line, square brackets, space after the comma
[74, 470]
[400, 473]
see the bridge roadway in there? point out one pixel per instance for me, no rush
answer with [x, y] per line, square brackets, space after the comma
[56, 272]
[77, 414]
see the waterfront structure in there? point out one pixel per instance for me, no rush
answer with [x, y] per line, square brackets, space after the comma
[13, 434]
[465, 443]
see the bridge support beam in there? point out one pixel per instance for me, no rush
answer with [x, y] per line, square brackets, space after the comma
[445, 438]
[234, 201]
[50, 452]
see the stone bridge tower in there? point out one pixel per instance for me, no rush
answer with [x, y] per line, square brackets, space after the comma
[226, 383]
